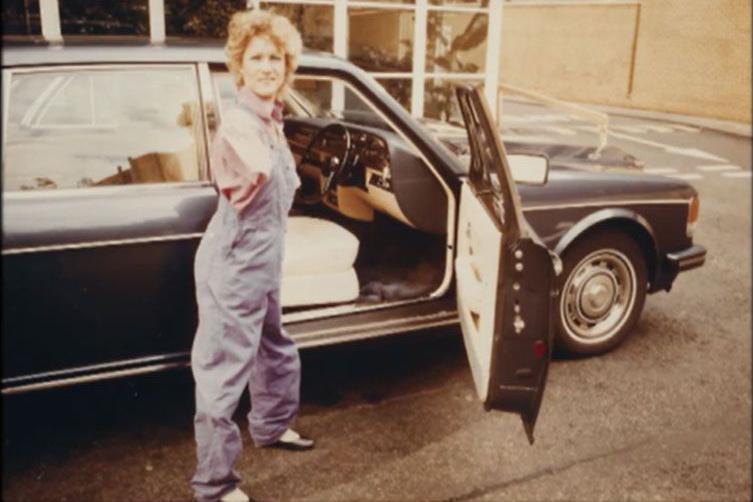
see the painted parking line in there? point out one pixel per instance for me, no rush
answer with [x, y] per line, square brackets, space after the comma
[564, 131]
[687, 176]
[659, 170]
[535, 118]
[629, 129]
[691, 152]
[658, 128]
[527, 138]
[652, 128]
[741, 174]
[715, 168]
[587, 128]
[685, 128]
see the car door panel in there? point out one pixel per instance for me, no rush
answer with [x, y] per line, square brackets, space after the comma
[505, 278]
[106, 278]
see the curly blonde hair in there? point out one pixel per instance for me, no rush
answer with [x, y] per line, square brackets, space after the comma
[245, 25]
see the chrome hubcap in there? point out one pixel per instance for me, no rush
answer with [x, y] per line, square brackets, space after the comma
[598, 296]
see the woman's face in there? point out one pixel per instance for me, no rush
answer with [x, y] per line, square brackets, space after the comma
[263, 67]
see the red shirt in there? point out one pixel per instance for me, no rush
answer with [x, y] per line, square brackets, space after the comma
[240, 155]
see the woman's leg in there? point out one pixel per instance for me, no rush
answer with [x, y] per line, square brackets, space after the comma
[275, 379]
[221, 361]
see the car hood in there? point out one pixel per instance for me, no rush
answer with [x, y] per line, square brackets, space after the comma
[584, 157]
[576, 175]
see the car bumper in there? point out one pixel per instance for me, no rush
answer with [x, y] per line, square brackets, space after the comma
[693, 257]
[676, 262]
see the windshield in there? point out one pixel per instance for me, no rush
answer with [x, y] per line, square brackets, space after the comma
[322, 98]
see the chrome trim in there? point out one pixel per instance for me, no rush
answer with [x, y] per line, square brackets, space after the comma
[607, 204]
[380, 324]
[96, 367]
[61, 193]
[208, 107]
[97, 244]
[324, 312]
[692, 261]
[685, 262]
[93, 378]
[6, 101]
[301, 342]
[377, 333]
[99, 66]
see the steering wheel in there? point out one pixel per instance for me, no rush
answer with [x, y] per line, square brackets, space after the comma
[332, 167]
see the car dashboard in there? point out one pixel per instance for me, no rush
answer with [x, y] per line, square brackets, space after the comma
[364, 160]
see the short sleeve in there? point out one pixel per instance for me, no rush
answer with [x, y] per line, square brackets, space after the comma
[241, 158]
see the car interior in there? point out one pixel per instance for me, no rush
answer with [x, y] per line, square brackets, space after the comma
[368, 222]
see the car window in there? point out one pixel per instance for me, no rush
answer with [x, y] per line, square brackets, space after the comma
[223, 83]
[309, 97]
[323, 96]
[88, 127]
[294, 104]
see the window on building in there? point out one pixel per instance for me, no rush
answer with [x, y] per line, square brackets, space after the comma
[21, 17]
[189, 18]
[381, 40]
[456, 42]
[398, 88]
[440, 101]
[84, 17]
[96, 127]
[314, 22]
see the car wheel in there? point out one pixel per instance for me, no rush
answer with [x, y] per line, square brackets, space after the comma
[602, 292]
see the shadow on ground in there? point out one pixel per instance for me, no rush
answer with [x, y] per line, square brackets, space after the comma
[50, 427]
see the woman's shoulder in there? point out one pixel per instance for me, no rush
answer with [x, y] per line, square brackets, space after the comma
[236, 119]
[237, 112]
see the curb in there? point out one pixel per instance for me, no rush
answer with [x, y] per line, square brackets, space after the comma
[725, 126]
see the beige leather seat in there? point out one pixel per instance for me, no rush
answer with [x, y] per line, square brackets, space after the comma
[318, 263]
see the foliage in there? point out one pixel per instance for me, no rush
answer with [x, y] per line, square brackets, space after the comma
[200, 18]
[82, 17]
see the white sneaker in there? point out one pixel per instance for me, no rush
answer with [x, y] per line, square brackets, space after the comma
[237, 495]
[291, 440]
[289, 435]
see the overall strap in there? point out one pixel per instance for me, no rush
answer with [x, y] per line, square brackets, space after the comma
[260, 125]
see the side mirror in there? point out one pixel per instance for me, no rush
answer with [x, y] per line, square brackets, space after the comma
[528, 169]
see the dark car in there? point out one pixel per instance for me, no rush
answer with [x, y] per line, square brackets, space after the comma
[107, 190]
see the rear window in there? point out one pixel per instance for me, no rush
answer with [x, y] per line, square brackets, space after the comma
[76, 128]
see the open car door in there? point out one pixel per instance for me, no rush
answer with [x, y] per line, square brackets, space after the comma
[505, 277]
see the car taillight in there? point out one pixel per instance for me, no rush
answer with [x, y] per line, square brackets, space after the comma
[694, 207]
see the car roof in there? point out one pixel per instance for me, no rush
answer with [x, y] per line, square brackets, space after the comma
[85, 50]
[34, 53]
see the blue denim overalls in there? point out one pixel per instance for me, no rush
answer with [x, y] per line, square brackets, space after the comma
[240, 340]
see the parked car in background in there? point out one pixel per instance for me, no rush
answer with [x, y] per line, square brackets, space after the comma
[107, 190]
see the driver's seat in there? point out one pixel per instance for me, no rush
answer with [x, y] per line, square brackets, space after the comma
[318, 264]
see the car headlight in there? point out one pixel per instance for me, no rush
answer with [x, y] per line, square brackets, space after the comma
[694, 207]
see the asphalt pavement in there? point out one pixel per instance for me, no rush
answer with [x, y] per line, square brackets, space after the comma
[665, 416]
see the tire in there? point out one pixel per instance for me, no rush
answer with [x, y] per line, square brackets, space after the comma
[602, 291]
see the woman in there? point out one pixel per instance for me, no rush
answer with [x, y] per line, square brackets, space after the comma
[240, 342]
